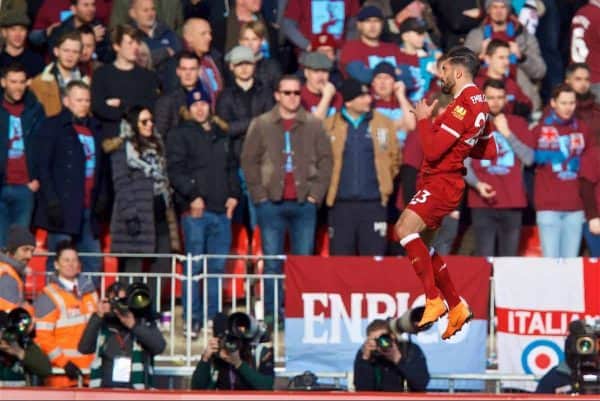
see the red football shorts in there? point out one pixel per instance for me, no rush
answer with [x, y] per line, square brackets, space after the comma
[437, 196]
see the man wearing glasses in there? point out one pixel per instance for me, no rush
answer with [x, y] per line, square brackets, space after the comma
[286, 159]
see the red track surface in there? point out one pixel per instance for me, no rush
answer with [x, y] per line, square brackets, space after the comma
[86, 394]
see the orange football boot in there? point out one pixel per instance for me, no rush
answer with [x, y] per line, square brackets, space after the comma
[457, 317]
[434, 309]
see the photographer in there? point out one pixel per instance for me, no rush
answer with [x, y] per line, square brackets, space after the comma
[581, 358]
[385, 363]
[235, 358]
[20, 358]
[124, 337]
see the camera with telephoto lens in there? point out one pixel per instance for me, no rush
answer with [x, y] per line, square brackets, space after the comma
[238, 331]
[408, 322]
[582, 352]
[137, 299]
[14, 326]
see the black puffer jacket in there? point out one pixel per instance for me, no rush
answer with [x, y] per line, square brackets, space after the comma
[238, 107]
[202, 164]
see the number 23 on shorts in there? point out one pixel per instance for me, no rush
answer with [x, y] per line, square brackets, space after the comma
[420, 197]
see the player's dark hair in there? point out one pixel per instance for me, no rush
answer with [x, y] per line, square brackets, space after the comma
[574, 67]
[464, 56]
[493, 83]
[560, 88]
[494, 45]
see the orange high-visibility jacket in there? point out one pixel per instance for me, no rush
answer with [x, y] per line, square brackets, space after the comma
[61, 320]
[12, 297]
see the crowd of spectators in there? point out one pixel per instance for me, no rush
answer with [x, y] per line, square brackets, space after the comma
[148, 119]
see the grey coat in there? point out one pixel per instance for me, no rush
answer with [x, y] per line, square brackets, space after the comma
[134, 199]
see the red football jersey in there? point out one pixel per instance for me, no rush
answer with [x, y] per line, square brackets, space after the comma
[465, 118]
[585, 38]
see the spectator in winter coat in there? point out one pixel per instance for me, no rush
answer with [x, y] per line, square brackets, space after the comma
[73, 195]
[238, 104]
[49, 86]
[365, 162]
[143, 217]
[286, 160]
[168, 106]
[455, 19]
[20, 116]
[203, 170]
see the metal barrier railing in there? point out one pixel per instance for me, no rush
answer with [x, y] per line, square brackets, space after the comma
[188, 279]
[188, 358]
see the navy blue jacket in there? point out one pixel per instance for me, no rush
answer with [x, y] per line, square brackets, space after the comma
[382, 375]
[61, 171]
[556, 378]
[358, 178]
[32, 116]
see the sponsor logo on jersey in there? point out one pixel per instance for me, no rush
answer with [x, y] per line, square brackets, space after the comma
[480, 98]
[459, 112]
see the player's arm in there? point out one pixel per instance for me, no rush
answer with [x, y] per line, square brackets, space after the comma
[435, 141]
[485, 148]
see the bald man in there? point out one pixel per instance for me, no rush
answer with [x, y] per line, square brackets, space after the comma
[197, 36]
[168, 11]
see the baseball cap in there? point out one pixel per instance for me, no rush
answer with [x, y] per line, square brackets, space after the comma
[240, 54]
[316, 61]
[369, 12]
[412, 24]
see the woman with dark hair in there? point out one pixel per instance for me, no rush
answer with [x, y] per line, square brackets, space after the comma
[143, 218]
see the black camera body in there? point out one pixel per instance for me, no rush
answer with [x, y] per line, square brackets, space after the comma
[137, 300]
[15, 329]
[238, 331]
[582, 352]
